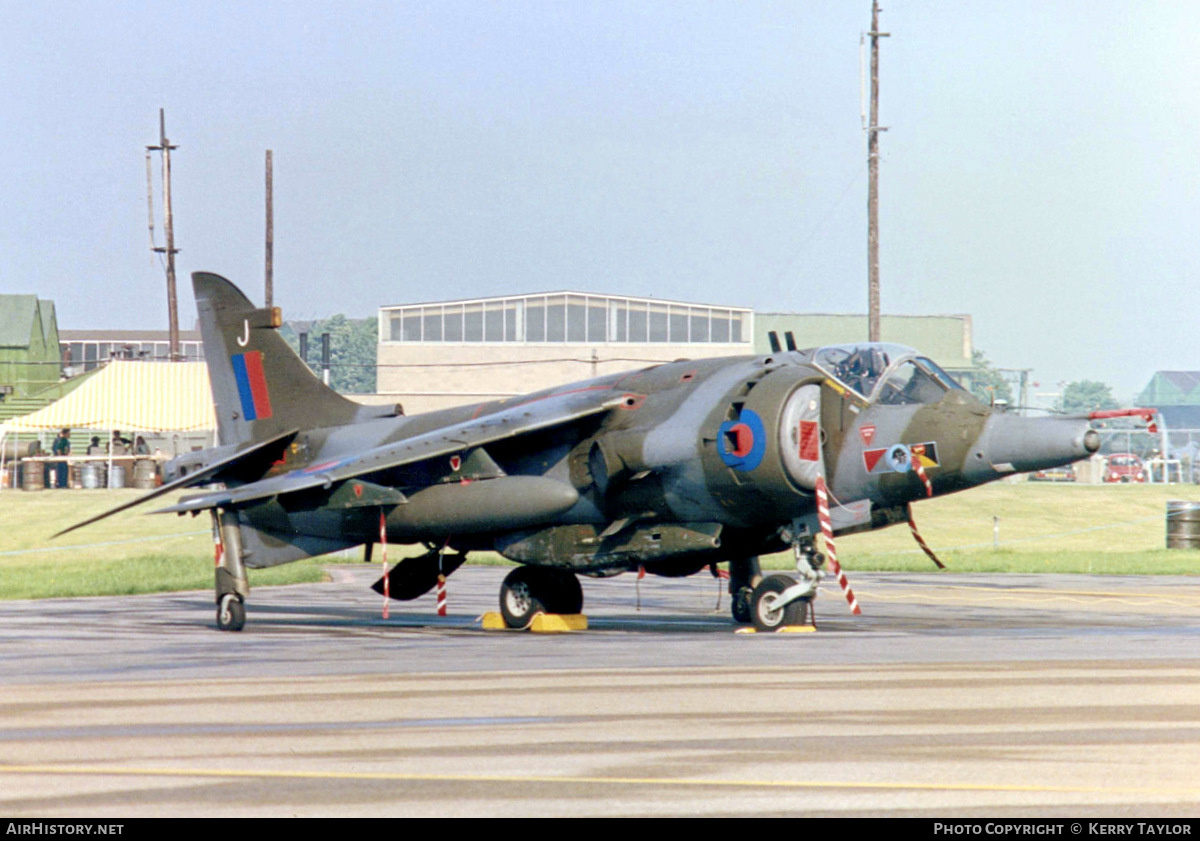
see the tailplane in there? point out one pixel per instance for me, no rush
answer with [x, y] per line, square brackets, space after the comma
[260, 385]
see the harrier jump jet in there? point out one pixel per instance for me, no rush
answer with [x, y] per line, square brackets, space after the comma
[670, 468]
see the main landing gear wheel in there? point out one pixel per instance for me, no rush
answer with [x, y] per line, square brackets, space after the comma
[741, 606]
[763, 612]
[231, 613]
[527, 591]
[744, 573]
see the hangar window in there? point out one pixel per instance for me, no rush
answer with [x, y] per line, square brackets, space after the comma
[639, 322]
[493, 322]
[576, 319]
[473, 323]
[659, 323]
[678, 319]
[597, 322]
[556, 319]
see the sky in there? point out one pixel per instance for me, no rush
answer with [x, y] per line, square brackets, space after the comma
[1038, 171]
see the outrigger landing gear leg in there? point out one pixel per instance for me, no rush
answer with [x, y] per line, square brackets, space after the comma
[744, 576]
[232, 584]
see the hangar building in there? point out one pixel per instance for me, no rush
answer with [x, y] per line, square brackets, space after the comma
[28, 344]
[436, 355]
[1176, 395]
[440, 354]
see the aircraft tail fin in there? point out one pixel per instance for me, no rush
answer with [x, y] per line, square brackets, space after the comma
[260, 386]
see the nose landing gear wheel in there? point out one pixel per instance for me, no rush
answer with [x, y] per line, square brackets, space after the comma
[764, 613]
[231, 613]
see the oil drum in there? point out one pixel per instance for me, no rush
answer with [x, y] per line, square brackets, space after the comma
[33, 475]
[94, 474]
[1183, 524]
[145, 474]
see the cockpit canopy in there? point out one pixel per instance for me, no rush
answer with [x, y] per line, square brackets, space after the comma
[885, 373]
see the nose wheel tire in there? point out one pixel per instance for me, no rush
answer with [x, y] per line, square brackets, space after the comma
[231, 613]
[764, 613]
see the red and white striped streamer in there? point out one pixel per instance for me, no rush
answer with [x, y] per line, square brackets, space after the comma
[387, 590]
[912, 526]
[916, 461]
[830, 548]
[441, 595]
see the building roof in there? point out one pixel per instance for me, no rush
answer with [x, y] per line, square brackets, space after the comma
[125, 335]
[566, 318]
[562, 293]
[49, 325]
[1171, 388]
[17, 317]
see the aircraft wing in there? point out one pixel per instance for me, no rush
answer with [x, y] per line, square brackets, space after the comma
[214, 472]
[541, 413]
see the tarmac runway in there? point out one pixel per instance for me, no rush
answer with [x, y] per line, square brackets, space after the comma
[951, 695]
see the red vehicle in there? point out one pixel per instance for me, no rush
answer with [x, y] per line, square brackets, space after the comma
[1062, 473]
[1124, 467]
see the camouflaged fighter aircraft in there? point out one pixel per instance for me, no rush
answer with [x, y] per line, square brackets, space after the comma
[671, 468]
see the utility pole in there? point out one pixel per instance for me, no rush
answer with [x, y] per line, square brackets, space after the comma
[169, 227]
[270, 282]
[873, 129]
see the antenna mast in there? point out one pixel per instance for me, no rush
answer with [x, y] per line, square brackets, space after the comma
[270, 241]
[873, 329]
[168, 226]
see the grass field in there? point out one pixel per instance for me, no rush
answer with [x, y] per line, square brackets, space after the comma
[1116, 529]
[1036, 527]
[127, 553]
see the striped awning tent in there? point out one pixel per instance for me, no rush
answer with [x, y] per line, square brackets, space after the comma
[141, 396]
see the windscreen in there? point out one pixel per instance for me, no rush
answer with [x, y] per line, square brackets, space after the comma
[908, 384]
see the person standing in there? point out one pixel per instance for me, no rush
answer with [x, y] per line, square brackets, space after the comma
[119, 445]
[62, 448]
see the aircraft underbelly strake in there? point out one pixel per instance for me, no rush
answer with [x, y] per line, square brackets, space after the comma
[586, 547]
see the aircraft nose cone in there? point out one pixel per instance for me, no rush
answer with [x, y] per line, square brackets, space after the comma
[1011, 444]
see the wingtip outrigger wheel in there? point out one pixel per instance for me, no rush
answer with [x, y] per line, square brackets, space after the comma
[231, 613]
[232, 585]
